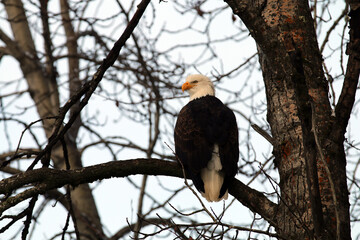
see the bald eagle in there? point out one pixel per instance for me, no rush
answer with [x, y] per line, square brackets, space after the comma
[206, 139]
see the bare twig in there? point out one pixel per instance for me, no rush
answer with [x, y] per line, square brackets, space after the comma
[29, 212]
[263, 133]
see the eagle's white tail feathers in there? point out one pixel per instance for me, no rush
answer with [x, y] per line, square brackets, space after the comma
[213, 179]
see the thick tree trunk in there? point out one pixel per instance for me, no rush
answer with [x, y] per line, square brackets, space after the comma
[314, 200]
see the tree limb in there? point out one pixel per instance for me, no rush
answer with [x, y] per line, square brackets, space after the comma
[47, 179]
[347, 97]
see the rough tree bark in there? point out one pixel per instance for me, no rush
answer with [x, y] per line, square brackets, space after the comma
[308, 135]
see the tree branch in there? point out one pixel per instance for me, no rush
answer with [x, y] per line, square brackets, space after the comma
[254, 200]
[47, 179]
[348, 92]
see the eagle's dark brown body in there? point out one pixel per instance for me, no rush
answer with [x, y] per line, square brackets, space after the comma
[201, 124]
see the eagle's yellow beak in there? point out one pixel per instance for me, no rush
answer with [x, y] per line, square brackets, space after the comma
[186, 86]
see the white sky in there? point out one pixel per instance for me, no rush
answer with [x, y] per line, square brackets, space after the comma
[115, 199]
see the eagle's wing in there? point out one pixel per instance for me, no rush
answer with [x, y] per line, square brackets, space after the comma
[192, 147]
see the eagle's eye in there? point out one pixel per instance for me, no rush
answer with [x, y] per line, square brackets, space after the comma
[195, 81]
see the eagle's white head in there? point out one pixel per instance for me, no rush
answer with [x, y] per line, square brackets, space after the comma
[198, 86]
